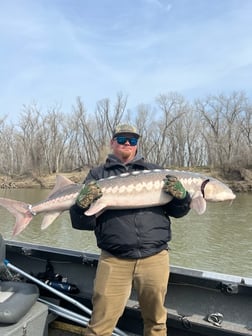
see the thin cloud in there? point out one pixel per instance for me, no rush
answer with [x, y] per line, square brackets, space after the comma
[55, 51]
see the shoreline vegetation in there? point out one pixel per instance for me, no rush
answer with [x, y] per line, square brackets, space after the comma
[239, 180]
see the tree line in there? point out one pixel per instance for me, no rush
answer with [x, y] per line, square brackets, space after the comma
[215, 131]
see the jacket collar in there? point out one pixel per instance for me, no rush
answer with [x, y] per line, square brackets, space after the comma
[113, 161]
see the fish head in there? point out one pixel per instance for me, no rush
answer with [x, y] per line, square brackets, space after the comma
[216, 191]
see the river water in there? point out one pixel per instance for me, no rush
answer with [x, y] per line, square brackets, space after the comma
[220, 240]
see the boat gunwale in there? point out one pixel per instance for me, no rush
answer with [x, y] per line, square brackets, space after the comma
[92, 259]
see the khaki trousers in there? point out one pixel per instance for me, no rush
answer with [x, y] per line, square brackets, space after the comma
[112, 288]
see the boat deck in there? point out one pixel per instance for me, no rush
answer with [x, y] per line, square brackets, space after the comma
[64, 329]
[195, 301]
[58, 328]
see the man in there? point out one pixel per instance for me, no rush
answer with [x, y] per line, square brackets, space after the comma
[133, 242]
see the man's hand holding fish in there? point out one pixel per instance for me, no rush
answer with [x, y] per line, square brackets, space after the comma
[174, 187]
[89, 193]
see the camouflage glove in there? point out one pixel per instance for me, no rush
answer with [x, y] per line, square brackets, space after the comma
[174, 187]
[88, 194]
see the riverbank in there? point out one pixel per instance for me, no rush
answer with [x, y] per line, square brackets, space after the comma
[239, 180]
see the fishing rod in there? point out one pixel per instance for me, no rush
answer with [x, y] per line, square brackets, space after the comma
[58, 293]
[66, 313]
[51, 289]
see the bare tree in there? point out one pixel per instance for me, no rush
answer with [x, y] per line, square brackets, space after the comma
[54, 136]
[8, 148]
[146, 125]
[29, 129]
[172, 107]
[215, 131]
[83, 136]
[245, 146]
[107, 117]
[220, 117]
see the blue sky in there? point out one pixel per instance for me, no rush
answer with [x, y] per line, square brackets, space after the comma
[52, 51]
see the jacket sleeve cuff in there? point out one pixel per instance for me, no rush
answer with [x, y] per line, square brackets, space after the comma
[185, 200]
[79, 220]
[79, 210]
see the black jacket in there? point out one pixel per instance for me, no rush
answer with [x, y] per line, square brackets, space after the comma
[129, 233]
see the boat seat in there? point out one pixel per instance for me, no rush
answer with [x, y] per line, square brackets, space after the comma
[16, 297]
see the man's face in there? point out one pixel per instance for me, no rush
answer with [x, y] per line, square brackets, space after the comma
[124, 146]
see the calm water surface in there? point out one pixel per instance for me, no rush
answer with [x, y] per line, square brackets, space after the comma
[220, 240]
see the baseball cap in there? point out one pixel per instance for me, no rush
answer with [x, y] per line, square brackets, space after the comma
[125, 128]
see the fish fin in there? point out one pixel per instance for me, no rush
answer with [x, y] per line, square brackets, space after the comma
[49, 218]
[96, 208]
[99, 213]
[198, 203]
[21, 212]
[61, 181]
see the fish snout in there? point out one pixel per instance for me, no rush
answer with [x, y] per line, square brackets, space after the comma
[215, 191]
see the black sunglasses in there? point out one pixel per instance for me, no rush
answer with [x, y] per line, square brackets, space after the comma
[121, 140]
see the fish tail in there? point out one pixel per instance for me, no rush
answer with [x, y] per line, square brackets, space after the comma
[21, 212]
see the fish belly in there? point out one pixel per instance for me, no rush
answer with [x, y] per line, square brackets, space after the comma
[130, 196]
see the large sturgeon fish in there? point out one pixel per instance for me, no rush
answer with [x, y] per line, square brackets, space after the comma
[129, 190]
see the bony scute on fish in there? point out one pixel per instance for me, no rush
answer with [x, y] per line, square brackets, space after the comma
[129, 190]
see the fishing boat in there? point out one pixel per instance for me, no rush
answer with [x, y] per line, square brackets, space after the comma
[198, 302]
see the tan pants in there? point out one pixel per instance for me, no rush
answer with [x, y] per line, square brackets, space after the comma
[112, 288]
